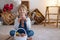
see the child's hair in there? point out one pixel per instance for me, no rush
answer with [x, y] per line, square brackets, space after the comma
[22, 6]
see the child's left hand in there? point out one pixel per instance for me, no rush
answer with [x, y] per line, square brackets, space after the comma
[23, 18]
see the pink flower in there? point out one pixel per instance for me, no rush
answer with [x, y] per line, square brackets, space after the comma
[8, 7]
[4, 9]
[11, 6]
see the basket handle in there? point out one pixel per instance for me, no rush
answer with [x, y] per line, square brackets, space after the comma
[22, 29]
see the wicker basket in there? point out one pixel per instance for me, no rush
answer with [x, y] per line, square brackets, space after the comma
[19, 37]
[8, 18]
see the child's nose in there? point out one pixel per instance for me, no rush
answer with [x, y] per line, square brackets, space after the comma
[21, 10]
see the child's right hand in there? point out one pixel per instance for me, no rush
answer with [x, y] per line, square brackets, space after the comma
[22, 35]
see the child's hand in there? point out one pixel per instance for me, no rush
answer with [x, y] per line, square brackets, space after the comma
[22, 35]
[19, 20]
[22, 18]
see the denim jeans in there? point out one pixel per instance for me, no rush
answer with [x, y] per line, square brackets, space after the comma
[29, 32]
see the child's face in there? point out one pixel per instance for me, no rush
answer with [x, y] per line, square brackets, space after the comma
[22, 11]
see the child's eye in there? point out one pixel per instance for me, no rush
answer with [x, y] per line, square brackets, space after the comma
[20, 10]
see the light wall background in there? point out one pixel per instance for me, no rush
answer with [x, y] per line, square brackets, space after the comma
[33, 4]
[40, 4]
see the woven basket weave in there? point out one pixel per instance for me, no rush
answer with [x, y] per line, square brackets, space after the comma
[19, 37]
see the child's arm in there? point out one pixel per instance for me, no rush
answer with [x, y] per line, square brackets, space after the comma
[19, 19]
[16, 23]
[28, 23]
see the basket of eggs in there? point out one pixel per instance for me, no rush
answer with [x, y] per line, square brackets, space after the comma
[20, 34]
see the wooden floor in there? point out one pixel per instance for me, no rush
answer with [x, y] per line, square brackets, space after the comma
[49, 32]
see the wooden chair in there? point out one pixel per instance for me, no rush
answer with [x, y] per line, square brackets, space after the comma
[47, 15]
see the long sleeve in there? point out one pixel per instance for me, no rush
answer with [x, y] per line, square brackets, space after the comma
[28, 23]
[16, 23]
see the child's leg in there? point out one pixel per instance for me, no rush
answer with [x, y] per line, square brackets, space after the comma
[29, 38]
[30, 33]
[12, 32]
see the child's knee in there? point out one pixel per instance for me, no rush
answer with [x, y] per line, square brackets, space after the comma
[30, 33]
[12, 32]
